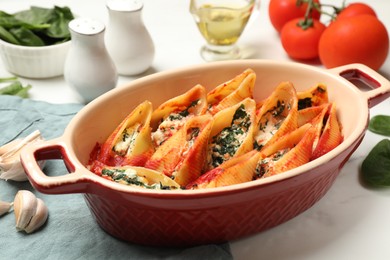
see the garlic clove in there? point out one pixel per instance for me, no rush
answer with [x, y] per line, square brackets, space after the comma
[25, 206]
[10, 165]
[39, 218]
[5, 207]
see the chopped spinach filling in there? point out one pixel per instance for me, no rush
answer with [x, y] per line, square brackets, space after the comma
[227, 142]
[131, 178]
[304, 103]
[265, 165]
[270, 127]
[180, 115]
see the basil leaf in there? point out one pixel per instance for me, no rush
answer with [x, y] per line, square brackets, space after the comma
[376, 166]
[380, 124]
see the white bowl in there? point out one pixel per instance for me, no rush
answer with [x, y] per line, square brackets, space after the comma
[34, 62]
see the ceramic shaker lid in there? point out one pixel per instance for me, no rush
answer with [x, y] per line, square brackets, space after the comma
[124, 5]
[86, 26]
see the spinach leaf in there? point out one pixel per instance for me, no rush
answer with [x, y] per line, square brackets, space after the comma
[14, 88]
[35, 15]
[7, 36]
[376, 166]
[380, 124]
[59, 23]
[8, 79]
[26, 37]
[36, 26]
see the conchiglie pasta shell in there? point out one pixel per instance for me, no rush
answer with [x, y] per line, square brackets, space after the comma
[181, 103]
[300, 145]
[147, 176]
[231, 92]
[306, 115]
[319, 121]
[138, 151]
[183, 155]
[237, 170]
[331, 135]
[269, 126]
[224, 119]
[315, 96]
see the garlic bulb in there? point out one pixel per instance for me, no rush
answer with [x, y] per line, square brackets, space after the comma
[30, 211]
[10, 165]
[5, 207]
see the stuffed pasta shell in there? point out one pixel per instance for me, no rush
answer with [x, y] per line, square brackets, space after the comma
[170, 116]
[237, 170]
[182, 156]
[329, 132]
[232, 133]
[288, 152]
[232, 92]
[315, 96]
[139, 177]
[130, 143]
[277, 116]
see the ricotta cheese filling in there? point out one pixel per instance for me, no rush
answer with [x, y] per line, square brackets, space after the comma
[130, 177]
[225, 144]
[270, 123]
[125, 144]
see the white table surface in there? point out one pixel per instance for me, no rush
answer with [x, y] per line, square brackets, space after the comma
[350, 222]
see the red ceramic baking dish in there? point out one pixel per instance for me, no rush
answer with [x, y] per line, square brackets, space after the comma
[193, 217]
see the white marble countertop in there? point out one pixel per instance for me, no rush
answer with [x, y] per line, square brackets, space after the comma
[350, 222]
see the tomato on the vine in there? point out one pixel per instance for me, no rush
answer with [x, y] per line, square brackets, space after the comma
[282, 11]
[355, 9]
[301, 42]
[359, 39]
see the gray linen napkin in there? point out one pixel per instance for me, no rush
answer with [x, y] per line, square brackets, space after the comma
[70, 232]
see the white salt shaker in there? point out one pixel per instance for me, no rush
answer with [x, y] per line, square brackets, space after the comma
[127, 39]
[88, 67]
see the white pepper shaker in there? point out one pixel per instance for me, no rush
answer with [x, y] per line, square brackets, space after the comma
[127, 39]
[88, 67]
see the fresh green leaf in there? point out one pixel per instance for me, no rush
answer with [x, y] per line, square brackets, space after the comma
[9, 21]
[380, 124]
[23, 93]
[59, 23]
[376, 166]
[11, 89]
[35, 15]
[36, 26]
[15, 88]
[26, 37]
[8, 37]
[8, 79]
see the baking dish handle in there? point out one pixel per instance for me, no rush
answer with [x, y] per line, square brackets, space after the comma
[77, 181]
[379, 85]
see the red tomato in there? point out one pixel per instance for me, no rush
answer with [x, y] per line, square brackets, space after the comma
[282, 11]
[299, 43]
[359, 39]
[355, 9]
